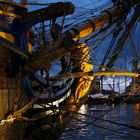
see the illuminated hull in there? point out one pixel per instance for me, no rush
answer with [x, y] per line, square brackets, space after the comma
[49, 115]
[47, 127]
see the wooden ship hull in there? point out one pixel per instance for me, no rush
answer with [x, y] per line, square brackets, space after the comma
[34, 107]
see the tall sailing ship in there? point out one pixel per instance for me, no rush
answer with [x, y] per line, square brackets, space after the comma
[36, 102]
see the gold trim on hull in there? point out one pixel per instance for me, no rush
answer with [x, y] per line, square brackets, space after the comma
[9, 14]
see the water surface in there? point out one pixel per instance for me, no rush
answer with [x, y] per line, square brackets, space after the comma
[126, 114]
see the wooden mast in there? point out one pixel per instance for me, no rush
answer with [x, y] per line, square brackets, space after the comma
[125, 34]
[95, 74]
[107, 16]
[65, 44]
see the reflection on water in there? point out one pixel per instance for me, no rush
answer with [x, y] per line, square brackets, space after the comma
[126, 114]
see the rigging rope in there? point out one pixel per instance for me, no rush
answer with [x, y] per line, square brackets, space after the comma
[122, 40]
[105, 120]
[131, 93]
[110, 47]
[102, 127]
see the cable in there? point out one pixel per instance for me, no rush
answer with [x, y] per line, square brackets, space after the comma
[116, 123]
[102, 127]
[106, 111]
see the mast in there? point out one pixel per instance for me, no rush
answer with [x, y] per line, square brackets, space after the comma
[95, 74]
[107, 16]
[66, 43]
[125, 34]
